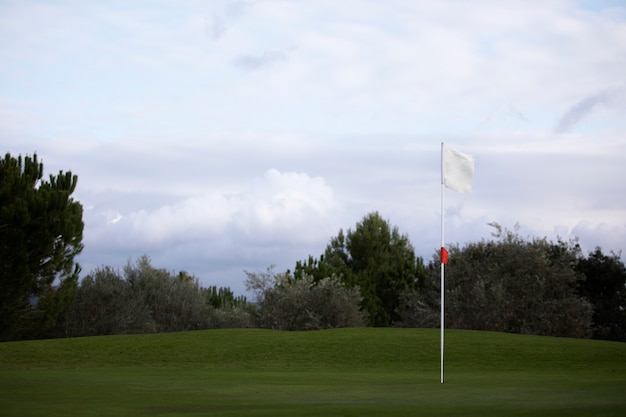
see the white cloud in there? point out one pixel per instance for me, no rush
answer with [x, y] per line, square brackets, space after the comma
[287, 207]
[282, 210]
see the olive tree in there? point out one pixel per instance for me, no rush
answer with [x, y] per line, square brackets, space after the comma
[288, 303]
[509, 284]
[142, 299]
[176, 303]
[105, 305]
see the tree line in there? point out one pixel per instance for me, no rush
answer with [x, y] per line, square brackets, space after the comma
[367, 276]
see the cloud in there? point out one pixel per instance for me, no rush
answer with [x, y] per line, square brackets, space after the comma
[603, 234]
[218, 24]
[290, 206]
[277, 218]
[284, 202]
[504, 116]
[254, 62]
[423, 64]
[585, 107]
[285, 210]
[215, 27]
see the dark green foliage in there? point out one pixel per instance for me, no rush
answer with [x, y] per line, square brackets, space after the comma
[376, 258]
[288, 303]
[507, 285]
[226, 309]
[223, 298]
[605, 288]
[317, 268]
[420, 307]
[41, 232]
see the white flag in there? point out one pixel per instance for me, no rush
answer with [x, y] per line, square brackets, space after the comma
[458, 170]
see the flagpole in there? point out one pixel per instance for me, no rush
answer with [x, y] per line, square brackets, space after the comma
[442, 265]
[457, 172]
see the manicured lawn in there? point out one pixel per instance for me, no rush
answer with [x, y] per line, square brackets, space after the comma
[345, 372]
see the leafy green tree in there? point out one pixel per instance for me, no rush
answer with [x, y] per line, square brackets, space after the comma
[105, 305]
[376, 258]
[605, 288]
[144, 299]
[175, 304]
[509, 284]
[41, 230]
[288, 303]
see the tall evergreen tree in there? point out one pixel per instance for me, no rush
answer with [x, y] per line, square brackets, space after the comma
[376, 258]
[41, 230]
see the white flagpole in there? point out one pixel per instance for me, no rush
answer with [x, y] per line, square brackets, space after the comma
[458, 175]
[442, 265]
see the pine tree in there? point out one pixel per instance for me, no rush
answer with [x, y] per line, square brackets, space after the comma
[41, 230]
[377, 259]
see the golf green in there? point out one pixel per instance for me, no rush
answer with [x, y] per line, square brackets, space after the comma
[343, 372]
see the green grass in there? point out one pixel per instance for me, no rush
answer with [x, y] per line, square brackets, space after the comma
[345, 372]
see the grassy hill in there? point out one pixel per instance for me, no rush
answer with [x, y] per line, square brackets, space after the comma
[344, 372]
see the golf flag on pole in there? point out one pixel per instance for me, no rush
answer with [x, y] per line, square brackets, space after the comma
[458, 170]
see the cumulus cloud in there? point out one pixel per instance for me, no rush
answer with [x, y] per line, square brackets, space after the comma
[290, 204]
[280, 209]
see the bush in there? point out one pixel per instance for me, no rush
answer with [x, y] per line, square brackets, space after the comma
[286, 303]
[509, 285]
[105, 305]
[230, 317]
[145, 299]
[175, 303]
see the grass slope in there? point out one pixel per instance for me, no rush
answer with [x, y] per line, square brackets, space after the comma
[344, 372]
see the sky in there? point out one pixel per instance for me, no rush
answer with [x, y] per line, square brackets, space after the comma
[223, 136]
